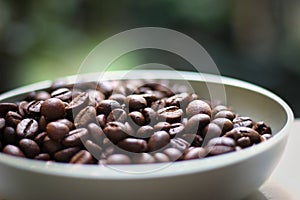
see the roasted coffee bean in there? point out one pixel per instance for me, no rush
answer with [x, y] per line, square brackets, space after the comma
[173, 153]
[242, 121]
[137, 118]
[176, 129]
[239, 132]
[65, 155]
[262, 128]
[93, 148]
[27, 128]
[196, 123]
[57, 131]
[180, 100]
[133, 145]
[106, 106]
[171, 114]
[265, 137]
[217, 109]
[42, 95]
[224, 124]
[101, 120]
[150, 116]
[5, 107]
[85, 117]
[22, 108]
[29, 147]
[42, 123]
[2, 124]
[118, 97]
[162, 126]
[158, 104]
[161, 157]
[66, 122]
[158, 140]
[63, 94]
[225, 114]
[143, 158]
[118, 159]
[40, 138]
[195, 153]
[179, 143]
[82, 157]
[53, 109]
[243, 142]
[116, 131]
[150, 98]
[105, 87]
[13, 118]
[9, 135]
[34, 108]
[95, 97]
[51, 146]
[78, 103]
[220, 145]
[42, 156]
[211, 131]
[76, 137]
[196, 107]
[13, 151]
[96, 133]
[193, 139]
[144, 132]
[136, 102]
[118, 115]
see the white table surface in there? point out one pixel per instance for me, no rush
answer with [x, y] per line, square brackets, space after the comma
[284, 183]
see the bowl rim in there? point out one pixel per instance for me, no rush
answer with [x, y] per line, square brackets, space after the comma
[172, 169]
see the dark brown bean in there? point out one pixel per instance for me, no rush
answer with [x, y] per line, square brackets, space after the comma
[75, 137]
[196, 123]
[82, 157]
[40, 138]
[176, 129]
[144, 132]
[93, 148]
[53, 109]
[162, 126]
[225, 114]
[27, 128]
[65, 155]
[106, 106]
[42, 156]
[118, 115]
[13, 151]
[34, 108]
[217, 109]
[105, 87]
[242, 121]
[262, 128]
[95, 97]
[239, 132]
[118, 97]
[29, 147]
[2, 124]
[133, 145]
[66, 122]
[13, 118]
[196, 107]
[136, 102]
[211, 131]
[150, 116]
[220, 145]
[101, 120]
[22, 108]
[57, 131]
[63, 94]
[9, 135]
[224, 124]
[137, 118]
[171, 114]
[158, 140]
[116, 131]
[78, 103]
[243, 142]
[5, 107]
[51, 146]
[180, 100]
[96, 133]
[85, 117]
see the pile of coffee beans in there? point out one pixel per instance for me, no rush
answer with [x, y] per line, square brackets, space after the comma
[123, 122]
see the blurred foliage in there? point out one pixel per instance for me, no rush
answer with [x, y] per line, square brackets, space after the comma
[254, 40]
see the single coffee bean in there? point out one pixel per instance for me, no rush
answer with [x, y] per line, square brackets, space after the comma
[225, 114]
[137, 118]
[42, 95]
[144, 132]
[78, 103]
[180, 100]
[262, 128]
[22, 108]
[242, 121]
[27, 128]
[243, 142]
[158, 104]
[150, 116]
[53, 109]
[136, 102]
[196, 123]
[57, 131]
[13, 118]
[65, 155]
[195, 153]
[193, 139]
[161, 157]
[5, 107]
[118, 115]
[42, 124]
[29, 147]
[176, 129]
[210, 131]
[133, 145]
[13, 151]
[34, 108]
[95, 97]
[220, 145]
[173, 153]
[171, 114]
[82, 157]
[196, 107]
[93, 148]
[40, 138]
[96, 133]
[76, 137]
[42, 156]
[158, 140]
[143, 158]
[85, 117]
[239, 132]
[101, 120]
[66, 122]
[150, 98]
[9, 135]
[224, 124]
[105, 87]
[118, 159]
[115, 131]
[162, 126]
[51, 146]
[118, 97]
[217, 109]
[106, 106]
[63, 94]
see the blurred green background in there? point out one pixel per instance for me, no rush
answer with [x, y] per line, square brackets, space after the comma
[253, 40]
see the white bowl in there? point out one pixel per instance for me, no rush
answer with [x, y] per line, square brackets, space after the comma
[229, 176]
